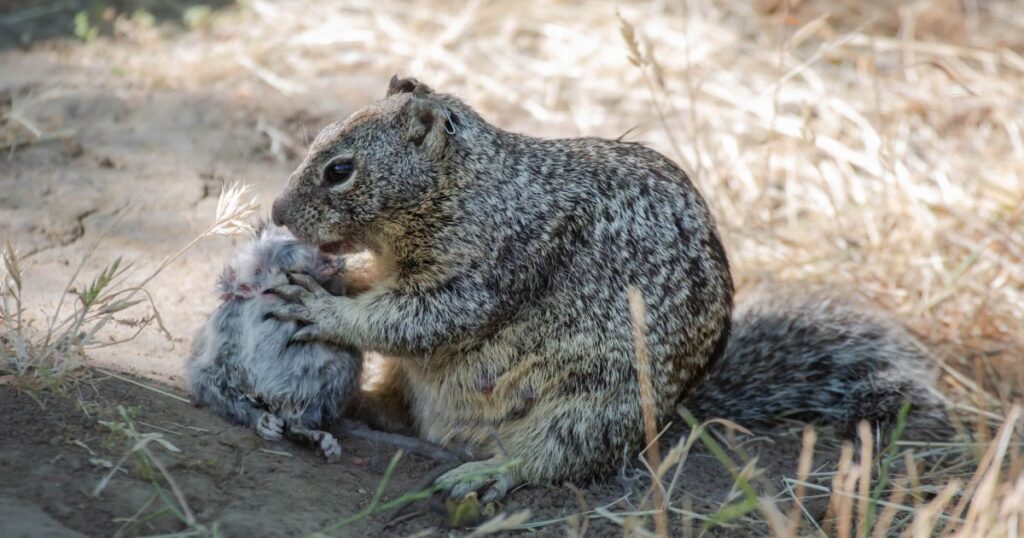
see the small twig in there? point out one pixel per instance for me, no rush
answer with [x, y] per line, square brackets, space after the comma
[190, 518]
[279, 83]
[638, 315]
[803, 469]
[143, 385]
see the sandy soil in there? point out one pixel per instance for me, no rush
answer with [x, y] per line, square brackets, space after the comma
[142, 168]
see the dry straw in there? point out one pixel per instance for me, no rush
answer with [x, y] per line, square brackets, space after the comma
[26, 350]
[863, 147]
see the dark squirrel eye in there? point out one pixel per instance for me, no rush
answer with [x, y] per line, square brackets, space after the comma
[338, 172]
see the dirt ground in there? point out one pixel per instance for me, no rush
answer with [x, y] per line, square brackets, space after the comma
[55, 451]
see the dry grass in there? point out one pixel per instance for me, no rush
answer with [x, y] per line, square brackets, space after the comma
[868, 148]
[47, 353]
[54, 347]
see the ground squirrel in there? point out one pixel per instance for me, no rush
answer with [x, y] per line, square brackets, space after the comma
[242, 365]
[505, 263]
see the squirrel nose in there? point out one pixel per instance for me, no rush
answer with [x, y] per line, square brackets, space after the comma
[277, 212]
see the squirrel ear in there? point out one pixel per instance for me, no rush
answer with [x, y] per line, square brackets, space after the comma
[407, 85]
[428, 124]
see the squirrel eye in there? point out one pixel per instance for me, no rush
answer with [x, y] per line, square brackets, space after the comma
[338, 172]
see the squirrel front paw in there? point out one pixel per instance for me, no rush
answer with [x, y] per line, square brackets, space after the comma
[309, 304]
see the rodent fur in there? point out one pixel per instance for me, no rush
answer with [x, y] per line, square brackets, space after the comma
[243, 365]
[505, 261]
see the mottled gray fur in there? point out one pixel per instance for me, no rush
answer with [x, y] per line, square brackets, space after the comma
[808, 355]
[243, 365]
[505, 263]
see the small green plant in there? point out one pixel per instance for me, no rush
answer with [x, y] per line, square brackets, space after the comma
[143, 18]
[151, 469]
[197, 17]
[85, 28]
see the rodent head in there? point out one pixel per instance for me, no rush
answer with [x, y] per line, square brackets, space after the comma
[362, 174]
[264, 263]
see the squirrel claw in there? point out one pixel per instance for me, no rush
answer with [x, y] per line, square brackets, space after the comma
[293, 293]
[290, 312]
[306, 334]
[492, 477]
[307, 283]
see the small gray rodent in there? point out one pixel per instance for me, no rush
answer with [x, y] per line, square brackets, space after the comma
[243, 365]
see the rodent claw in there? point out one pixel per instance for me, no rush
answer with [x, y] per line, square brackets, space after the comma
[329, 446]
[270, 427]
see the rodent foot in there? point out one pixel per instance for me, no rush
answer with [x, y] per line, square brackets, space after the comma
[329, 445]
[270, 427]
[492, 479]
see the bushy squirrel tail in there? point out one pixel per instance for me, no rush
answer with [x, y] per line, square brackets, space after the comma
[806, 356]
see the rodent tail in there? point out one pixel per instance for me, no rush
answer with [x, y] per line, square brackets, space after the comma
[814, 358]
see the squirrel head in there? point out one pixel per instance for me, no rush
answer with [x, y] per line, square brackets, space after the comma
[363, 174]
